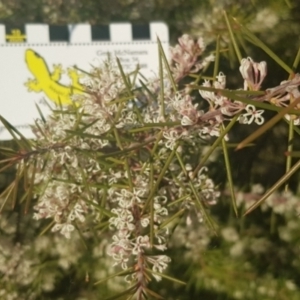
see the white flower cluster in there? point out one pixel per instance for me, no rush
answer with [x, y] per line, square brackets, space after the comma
[113, 159]
[130, 223]
[185, 57]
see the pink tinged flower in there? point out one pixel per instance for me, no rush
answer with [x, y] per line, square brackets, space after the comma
[232, 108]
[253, 73]
[208, 59]
[184, 57]
[190, 46]
[252, 115]
[214, 98]
[207, 95]
[176, 53]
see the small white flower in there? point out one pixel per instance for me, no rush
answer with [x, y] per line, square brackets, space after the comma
[120, 259]
[65, 229]
[77, 212]
[145, 222]
[210, 130]
[252, 115]
[141, 242]
[294, 118]
[172, 136]
[186, 121]
[221, 81]
[159, 264]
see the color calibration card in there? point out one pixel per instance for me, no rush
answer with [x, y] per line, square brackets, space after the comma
[37, 62]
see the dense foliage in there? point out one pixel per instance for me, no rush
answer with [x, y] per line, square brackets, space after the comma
[141, 189]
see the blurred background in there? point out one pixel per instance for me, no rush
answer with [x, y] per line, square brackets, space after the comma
[253, 257]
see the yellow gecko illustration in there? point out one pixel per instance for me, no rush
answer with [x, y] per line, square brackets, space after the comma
[47, 82]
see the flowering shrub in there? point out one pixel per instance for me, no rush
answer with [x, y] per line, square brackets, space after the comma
[123, 164]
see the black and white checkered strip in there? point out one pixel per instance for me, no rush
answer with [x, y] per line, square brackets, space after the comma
[83, 33]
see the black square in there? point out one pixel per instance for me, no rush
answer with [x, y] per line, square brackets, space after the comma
[100, 33]
[59, 33]
[15, 34]
[141, 32]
